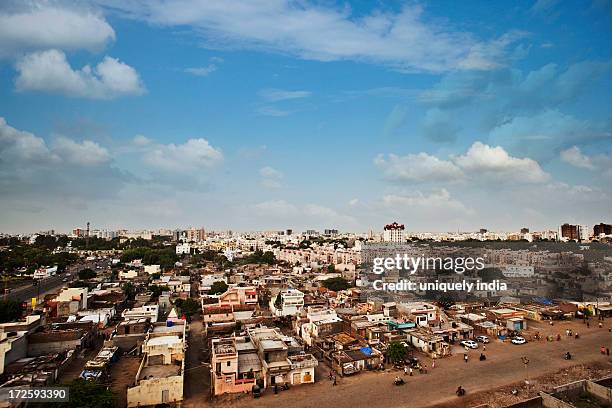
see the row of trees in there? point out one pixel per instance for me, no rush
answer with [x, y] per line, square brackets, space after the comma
[165, 257]
[32, 257]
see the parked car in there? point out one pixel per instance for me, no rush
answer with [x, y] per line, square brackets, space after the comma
[482, 339]
[348, 369]
[518, 340]
[469, 343]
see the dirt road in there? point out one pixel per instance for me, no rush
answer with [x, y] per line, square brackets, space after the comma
[503, 366]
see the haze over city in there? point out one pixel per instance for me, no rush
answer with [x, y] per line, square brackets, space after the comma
[138, 114]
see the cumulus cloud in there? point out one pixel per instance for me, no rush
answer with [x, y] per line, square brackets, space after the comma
[403, 40]
[17, 146]
[49, 71]
[418, 168]
[574, 156]
[599, 162]
[481, 162]
[86, 153]
[37, 25]
[194, 154]
[141, 140]
[495, 162]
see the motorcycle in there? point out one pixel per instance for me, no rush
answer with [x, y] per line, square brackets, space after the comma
[460, 391]
[567, 356]
[399, 381]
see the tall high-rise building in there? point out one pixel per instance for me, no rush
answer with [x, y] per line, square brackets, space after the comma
[570, 232]
[394, 232]
[605, 229]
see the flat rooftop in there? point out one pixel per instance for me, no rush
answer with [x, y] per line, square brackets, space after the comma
[159, 371]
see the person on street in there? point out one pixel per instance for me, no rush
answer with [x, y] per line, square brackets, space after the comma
[465, 357]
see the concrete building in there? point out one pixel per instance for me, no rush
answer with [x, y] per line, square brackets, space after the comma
[287, 302]
[160, 377]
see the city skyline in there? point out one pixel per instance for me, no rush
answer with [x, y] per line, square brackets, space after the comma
[140, 114]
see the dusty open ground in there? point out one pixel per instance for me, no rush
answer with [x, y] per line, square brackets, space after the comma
[487, 381]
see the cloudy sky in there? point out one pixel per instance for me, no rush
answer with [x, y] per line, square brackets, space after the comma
[275, 114]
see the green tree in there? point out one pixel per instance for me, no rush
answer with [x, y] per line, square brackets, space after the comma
[89, 394]
[336, 284]
[189, 306]
[278, 301]
[396, 352]
[217, 288]
[331, 268]
[10, 310]
[86, 274]
[129, 290]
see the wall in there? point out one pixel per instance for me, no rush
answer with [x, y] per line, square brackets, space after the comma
[39, 349]
[149, 392]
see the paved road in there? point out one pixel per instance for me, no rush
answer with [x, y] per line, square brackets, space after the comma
[502, 367]
[26, 293]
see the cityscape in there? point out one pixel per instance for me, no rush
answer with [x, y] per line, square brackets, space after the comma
[305, 203]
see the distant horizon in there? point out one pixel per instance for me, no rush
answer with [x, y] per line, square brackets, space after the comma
[300, 230]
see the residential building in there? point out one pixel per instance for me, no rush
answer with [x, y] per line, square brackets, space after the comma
[287, 302]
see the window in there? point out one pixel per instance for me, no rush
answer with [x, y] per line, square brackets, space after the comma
[229, 363]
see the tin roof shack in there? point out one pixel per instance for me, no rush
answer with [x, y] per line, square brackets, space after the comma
[490, 329]
[429, 343]
[512, 319]
[37, 371]
[160, 376]
[130, 333]
[347, 362]
[452, 331]
[99, 366]
[60, 337]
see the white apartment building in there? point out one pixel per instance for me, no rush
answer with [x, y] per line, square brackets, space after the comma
[183, 248]
[394, 233]
[290, 303]
[206, 281]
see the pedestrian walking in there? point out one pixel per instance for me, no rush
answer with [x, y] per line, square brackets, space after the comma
[484, 347]
[335, 380]
[405, 370]
[465, 357]
[600, 325]
[607, 351]
[411, 371]
[433, 364]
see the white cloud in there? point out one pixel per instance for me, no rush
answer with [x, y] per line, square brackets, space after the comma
[270, 172]
[271, 178]
[36, 25]
[86, 153]
[417, 168]
[486, 161]
[275, 95]
[49, 71]
[402, 40]
[276, 208]
[22, 147]
[192, 155]
[202, 71]
[574, 156]
[141, 140]
[353, 202]
[599, 162]
[437, 203]
[480, 163]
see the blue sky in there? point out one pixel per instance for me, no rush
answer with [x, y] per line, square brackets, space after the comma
[266, 115]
